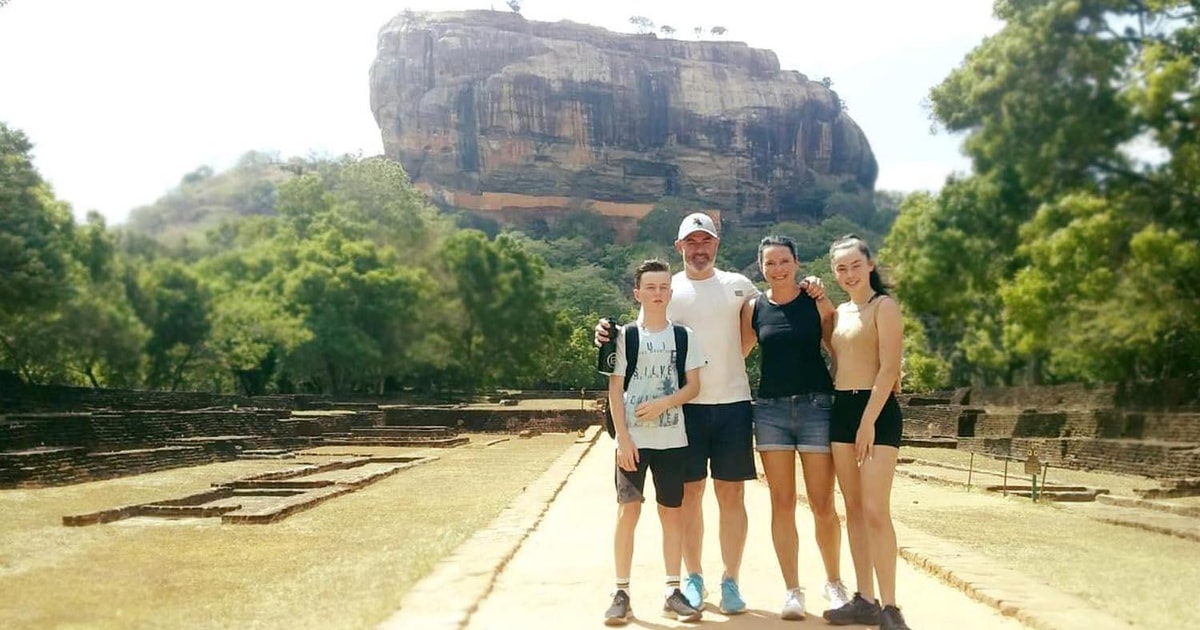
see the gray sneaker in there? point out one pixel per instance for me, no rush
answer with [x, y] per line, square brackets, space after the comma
[858, 611]
[891, 619]
[620, 612]
[677, 607]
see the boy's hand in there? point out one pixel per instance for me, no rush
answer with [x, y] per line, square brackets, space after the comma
[600, 332]
[627, 454]
[651, 409]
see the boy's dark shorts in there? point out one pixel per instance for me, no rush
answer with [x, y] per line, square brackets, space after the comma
[848, 407]
[723, 435]
[667, 466]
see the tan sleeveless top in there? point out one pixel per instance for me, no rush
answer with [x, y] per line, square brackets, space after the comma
[856, 345]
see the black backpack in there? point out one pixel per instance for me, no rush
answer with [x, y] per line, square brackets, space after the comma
[631, 354]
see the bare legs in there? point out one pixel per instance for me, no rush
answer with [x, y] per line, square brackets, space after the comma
[780, 468]
[672, 537]
[732, 526]
[818, 485]
[867, 491]
[693, 525]
[731, 499]
[627, 518]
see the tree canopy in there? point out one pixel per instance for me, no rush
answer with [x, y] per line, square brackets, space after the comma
[1070, 252]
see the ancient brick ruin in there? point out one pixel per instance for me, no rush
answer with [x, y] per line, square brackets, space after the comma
[265, 498]
[1151, 430]
[59, 435]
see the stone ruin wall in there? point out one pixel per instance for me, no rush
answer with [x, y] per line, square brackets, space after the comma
[56, 435]
[1150, 429]
[63, 435]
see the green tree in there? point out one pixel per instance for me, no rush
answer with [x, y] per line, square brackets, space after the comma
[35, 232]
[101, 336]
[504, 307]
[1062, 213]
[175, 309]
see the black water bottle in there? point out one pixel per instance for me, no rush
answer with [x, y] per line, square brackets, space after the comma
[607, 360]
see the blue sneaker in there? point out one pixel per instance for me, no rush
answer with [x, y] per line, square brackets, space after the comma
[731, 599]
[693, 590]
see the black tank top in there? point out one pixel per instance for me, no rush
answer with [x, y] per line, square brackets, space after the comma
[790, 340]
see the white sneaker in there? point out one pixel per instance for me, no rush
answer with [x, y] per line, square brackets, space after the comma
[835, 592]
[793, 605]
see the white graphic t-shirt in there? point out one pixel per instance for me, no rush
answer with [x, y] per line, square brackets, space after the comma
[711, 307]
[653, 378]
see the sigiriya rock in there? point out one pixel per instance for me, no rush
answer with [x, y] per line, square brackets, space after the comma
[492, 113]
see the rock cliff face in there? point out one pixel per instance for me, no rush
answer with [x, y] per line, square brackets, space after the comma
[495, 113]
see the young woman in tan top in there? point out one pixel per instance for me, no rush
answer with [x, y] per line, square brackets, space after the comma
[865, 429]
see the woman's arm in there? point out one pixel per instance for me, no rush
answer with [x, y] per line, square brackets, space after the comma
[890, 329]
[827, 326]
[828, 319]
[749, 337]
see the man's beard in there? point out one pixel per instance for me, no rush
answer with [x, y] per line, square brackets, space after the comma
[700, 263]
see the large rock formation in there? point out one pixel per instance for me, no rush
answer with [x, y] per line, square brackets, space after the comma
[493, 112]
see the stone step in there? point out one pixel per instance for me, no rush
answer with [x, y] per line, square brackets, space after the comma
[267, 453]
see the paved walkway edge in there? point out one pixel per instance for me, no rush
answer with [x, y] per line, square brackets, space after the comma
[449, 595]
[1014, 594]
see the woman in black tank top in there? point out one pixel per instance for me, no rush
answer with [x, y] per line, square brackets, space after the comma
[792, 413]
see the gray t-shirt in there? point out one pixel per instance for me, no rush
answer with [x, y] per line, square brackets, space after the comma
[654, 378]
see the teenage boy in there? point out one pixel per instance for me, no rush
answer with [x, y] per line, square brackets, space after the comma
[648, 421]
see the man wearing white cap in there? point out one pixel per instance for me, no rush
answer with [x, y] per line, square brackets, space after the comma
[719, 420]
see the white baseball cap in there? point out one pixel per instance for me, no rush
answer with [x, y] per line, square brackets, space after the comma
[697, 222]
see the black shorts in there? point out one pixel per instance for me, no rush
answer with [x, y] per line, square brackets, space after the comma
[721, 434]
[667, 465]
[848, 406]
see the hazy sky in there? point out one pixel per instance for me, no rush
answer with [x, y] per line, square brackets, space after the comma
[123, 97]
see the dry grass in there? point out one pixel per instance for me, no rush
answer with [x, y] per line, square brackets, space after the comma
[344, 564]
[1145, 578]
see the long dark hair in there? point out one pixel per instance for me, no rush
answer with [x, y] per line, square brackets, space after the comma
[854, 240]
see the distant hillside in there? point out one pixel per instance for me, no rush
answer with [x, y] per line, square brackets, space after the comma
[204, 199]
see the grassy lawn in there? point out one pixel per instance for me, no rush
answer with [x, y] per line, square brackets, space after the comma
[344, 564]
[1143, 577]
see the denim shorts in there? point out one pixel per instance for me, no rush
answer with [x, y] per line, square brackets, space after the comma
[799, 423]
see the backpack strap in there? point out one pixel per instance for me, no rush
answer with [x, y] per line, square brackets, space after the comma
[630, 331]
[681, 348]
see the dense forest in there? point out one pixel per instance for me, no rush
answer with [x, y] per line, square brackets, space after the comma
[322, 275]
[1070, 253]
